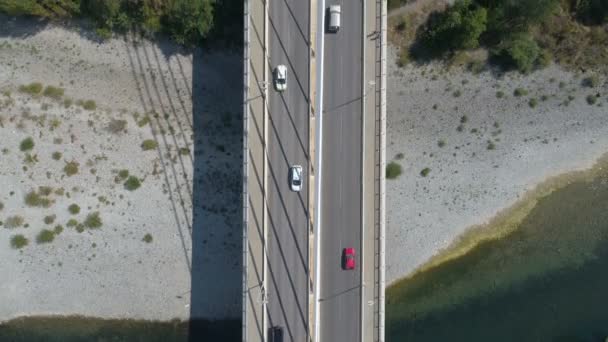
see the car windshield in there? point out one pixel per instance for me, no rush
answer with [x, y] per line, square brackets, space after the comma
[297, 182]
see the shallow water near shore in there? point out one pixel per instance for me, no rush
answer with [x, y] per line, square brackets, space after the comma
[546, 281]
[77, 329]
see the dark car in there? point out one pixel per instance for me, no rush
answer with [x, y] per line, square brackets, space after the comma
[276, 334]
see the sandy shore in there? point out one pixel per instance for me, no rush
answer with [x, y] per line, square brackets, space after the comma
[111, 271]
[471, 179]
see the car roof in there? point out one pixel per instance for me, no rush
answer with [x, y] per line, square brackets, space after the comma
[349, 250]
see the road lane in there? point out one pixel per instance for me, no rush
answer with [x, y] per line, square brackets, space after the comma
[287, 285]
[340, 291]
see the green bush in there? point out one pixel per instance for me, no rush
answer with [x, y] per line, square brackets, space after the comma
[53, 92]
[27, 144]
[89, 105]
[19, 241]
[500, 94]
[518, 92]
[149, 144]
[188, 21]
[147, 238]
[508, 16]
[49, 219]
[72, 223]
[71, 168]
[14, 221]
[93, 220]
[45, 236]
[74, 209]
[591, 81]
[58, 229]
[34, 199]
[393, 170]
[132, 183]
[425, 172]
[520, 52]
[56, 155]
[592, 12]
[459, 27]
[591, 99]
[533, 103]
[32, 88]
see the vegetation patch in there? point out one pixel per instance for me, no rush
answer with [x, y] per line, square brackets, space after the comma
[32, 88]
[56, 155]
[533, 103]
[45, 236]
[19, 241]
[117, 126]
[74, 209]
[132, 183]
[147, 238]
[519, 92]
[591, 99]
[149, 144]
[71, 168]
[58, 229]
[53, 92]
[425, 172]
[38, 199]
[27, 144]
[15, 221]
[50, 219]
[72, 223]
[89, 105]
[93, 220]
[393, 170]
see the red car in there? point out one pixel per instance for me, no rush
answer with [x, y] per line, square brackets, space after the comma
[348, 258]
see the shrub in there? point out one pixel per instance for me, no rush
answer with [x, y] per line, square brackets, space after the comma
[491, 145]
[71, 168]
[74, 209]
[14, 221]
[19, 241]
[393, 170]
[591, 99]
[93, 220]
[32, 88]
[144, 121]
[45, 236]
[441, 143]
[53, 92]
[72, 223]
[399, 156]
[1, 205]
[592, 12]
[34, 199]
[464, 119]
[500, 94]
[404, 57]
[459, 27]
[117, 126]
[457, 93]
[49, 219]
[520, 52]
[424, 172]
[58, 229]
[532, 103]
[518, 92]
[184, 151]
[89, 105]
[132, 183]
[149, 144]
[67, 103]
[188, 21]
[27, 144]
[591, 81]
[147, 238]
[56, 155]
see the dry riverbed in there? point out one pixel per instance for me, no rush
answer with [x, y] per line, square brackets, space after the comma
[472, 145]
[122, 112]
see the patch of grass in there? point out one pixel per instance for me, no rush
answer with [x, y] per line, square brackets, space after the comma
[56, 155]
[74, 209]
[49, 219]
[71, 168]
[89, 105]
[425, 172]
[491, 145]
[457, 93]
[19, 241]
[72, 223]
[53, 92]
[533, 103]
[149, 144]
[591, 99]
[500, 94]
[544, 98]
[460, 128]
[144, 121]
[1, 205]
[117, 126]
[80, 227]
[123, 174]
[34, 199]
[591, 81]
[15, 221]
[184, 151]
[32, 88]
[132, 183]
[58, 229]
[441, 143]
[27, 144]
[464, 119]
[393, 170]
[45, 236]
[67, 102]
[147, 238]
[93, 220]
[518, 92]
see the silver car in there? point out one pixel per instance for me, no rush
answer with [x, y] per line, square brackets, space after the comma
[295, 178]
[280, 77]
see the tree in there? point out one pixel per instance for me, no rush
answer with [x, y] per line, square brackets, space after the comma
[459, 27]
[593, 12]
[508, 16]
[189, 21]
[519, 51]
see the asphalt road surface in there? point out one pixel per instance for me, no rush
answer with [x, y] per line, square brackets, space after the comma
[340, 291]
[287, 277]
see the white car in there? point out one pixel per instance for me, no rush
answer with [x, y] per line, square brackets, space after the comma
[295, 178]
[280, 77]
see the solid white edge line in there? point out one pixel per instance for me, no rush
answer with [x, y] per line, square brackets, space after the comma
[318, 152]
[362, 228]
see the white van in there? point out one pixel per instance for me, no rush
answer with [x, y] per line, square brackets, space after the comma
[334, 18]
